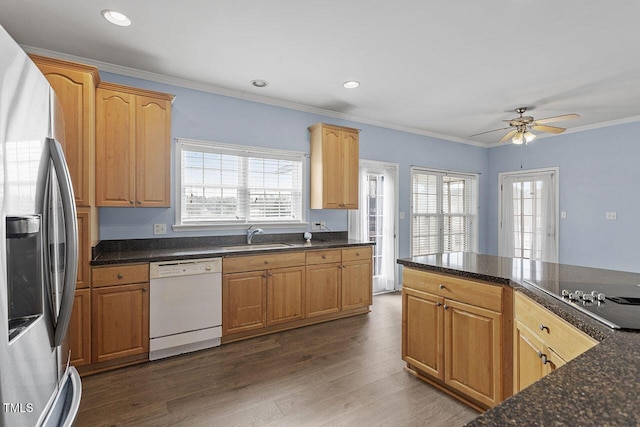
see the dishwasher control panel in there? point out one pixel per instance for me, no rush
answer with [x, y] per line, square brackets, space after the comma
[185, 267]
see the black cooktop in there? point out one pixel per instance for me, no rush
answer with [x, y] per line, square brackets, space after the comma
[616, 305]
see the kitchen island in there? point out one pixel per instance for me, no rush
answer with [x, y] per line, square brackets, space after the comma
[599, 387]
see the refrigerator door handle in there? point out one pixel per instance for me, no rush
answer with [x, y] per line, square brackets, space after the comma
[71, 240]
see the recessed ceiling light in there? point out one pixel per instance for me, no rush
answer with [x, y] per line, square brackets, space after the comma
[351, 84]
[116, 18]
[259, 83]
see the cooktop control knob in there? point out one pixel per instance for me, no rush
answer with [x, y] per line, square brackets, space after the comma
[565, 292]
[601, 296]
[588, 298]
[573, 296]
[578, 293]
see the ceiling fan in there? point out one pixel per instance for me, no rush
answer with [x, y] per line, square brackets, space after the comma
[520, 127]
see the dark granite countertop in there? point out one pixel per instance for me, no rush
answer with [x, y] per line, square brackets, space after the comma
[167, 249]
[600, 387]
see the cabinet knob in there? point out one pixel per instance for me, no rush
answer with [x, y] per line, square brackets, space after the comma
[139, 202]
[543, 327]
[441, 286]
[144, 289]
[120, 276]
[270, 274]
[131, 202]
[357, 253]
[266, 262]
[438, 304]
[543, 356]
[264, 275]
[324, 257]
[446, 307]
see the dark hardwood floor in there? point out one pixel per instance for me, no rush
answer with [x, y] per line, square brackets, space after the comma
[346, 372]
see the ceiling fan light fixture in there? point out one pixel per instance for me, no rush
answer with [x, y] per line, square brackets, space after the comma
[518, 138]
[116, 18]
[529, 136]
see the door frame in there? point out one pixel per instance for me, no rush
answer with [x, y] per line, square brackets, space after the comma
[553, 169]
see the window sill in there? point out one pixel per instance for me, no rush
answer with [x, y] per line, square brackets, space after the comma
[238, 226]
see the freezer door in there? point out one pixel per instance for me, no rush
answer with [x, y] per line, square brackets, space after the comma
[65, 406]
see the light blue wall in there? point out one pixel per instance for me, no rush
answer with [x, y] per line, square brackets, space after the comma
[205, 116]
[598, 173]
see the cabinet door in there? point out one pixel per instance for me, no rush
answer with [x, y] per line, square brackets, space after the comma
[527, 363]
[356, 284]
[323, 289]
[350, 165]
[83, 279]
[472, 343]
[76, 92]
[153, 152]
[243, 302]
[422, 329]
[80, 328]
[285, 295]
[332, 165]
[120, 321]
[115, 148]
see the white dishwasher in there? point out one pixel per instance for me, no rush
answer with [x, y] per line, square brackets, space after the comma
[185, 306]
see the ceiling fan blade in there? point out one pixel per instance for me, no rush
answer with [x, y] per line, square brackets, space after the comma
[508, 136]
[556, 119]
[489, 131]
[552, 129]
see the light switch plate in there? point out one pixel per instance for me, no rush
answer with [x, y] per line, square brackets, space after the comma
[159, 228]
[563, 214]
[610, 216]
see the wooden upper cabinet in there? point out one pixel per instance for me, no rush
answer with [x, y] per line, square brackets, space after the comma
[334, 167]
[74, 85]
[133, 147]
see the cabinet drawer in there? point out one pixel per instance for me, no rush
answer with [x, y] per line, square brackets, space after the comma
[469, 291]
[262, 262]
[355, 254]
[323, 257]
[120, 275]
[563, 338]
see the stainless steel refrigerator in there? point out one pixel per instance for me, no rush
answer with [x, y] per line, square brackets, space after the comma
[38, 250]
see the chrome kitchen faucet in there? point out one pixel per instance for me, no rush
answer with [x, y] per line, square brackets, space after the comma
[251, 232]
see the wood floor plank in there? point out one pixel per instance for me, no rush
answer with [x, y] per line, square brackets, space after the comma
[345, 372]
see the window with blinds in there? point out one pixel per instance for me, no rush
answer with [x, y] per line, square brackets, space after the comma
[226, 184]
[443, 212]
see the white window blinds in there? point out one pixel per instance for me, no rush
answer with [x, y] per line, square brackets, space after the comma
[443, 212]
[225, 184]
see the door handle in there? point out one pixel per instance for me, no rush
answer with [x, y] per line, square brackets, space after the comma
[71, 240]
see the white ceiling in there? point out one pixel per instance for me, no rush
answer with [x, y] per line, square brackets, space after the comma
[443, 68]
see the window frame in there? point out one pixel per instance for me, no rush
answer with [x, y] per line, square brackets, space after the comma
[472, 217]
[183, 144]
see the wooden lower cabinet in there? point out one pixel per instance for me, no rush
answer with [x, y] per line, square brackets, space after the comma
[120, 321]
[542, 342]
[456, 345]
[324, 284]
[357, 286]
[422, 332]
[80, 328]
[472, 349]
[282, 290]
[243, 299]
[285, 295]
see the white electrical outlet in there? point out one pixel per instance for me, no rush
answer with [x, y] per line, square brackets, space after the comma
[323, 225]
[315, 225]
[159, 228]
[610, 216]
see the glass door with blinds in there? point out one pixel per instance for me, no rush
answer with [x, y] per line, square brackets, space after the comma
[375, 220]
[528, 215]
[443, 211]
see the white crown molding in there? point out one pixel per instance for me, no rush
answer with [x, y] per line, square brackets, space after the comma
[209, 88]
[203, 87]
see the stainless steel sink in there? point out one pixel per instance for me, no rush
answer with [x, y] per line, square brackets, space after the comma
[256, 247]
